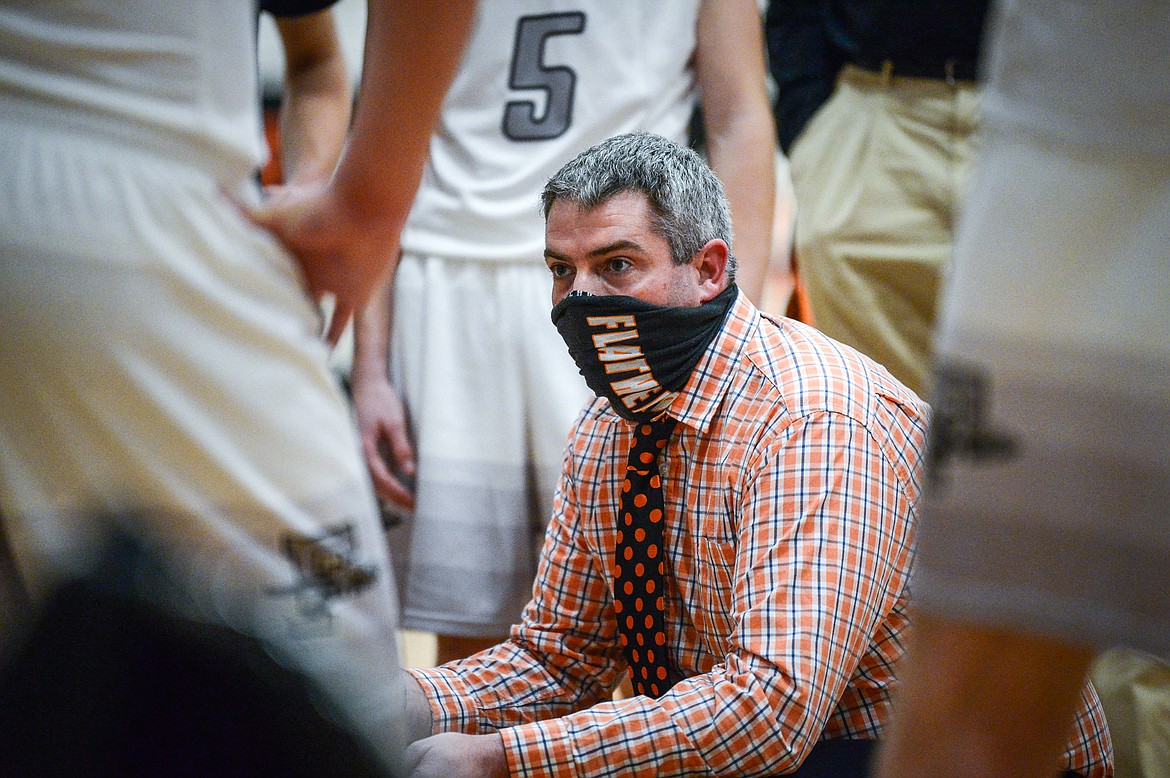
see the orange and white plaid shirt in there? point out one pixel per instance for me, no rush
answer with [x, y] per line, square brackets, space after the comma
[790, 486]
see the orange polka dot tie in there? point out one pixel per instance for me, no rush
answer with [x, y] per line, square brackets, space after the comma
[638, 562]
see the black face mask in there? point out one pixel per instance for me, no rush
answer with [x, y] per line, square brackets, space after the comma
[636, 354]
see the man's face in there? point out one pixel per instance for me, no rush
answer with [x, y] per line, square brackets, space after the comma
[612, 249]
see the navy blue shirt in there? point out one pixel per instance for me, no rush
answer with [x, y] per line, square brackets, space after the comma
[809, 40]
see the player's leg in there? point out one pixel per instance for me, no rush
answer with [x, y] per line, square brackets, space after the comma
[1046, 504]
[467, 549]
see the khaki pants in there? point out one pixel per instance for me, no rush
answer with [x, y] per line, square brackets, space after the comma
[878, 174]
[1135, 692]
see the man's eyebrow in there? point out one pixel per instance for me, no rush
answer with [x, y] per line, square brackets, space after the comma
[617, 245]
[600, 251]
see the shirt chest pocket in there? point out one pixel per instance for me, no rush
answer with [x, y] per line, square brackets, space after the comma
[705, 557]
[712, 592]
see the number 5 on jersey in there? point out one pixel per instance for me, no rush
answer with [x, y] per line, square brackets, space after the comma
[528, 71]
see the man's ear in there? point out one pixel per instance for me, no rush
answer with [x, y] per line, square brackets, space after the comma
[711, 265]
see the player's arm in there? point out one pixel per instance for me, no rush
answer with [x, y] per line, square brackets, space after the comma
[315, 112]
[381, 413]
[345, 234]
[741, 137]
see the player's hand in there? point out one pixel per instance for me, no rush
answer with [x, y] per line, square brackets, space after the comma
[454, 755]
[343, 250]
[283, 194]
[385, 438]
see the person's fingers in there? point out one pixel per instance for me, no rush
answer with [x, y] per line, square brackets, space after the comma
[335, 258]
[402, 450]
[414, 754]
[266, 216]
[379, 472]
[257, 215]
[276, 194]
[399, 495]
[386, 484]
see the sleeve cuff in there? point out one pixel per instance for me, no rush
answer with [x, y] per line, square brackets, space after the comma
[448, 698]
[540, 750]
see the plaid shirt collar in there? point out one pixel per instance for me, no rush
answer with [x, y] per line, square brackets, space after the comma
[696, 404]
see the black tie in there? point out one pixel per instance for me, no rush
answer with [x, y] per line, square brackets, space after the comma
[638, 562]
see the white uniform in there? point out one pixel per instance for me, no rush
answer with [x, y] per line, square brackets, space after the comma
[161, 362]
[489, 383]
[1048, 509]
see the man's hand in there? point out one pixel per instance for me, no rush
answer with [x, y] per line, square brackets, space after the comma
[343, 250]
[381, 418]
[454, 755]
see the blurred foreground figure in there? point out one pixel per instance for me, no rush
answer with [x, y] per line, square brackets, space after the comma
[162, 356]
[1044, 531]
[106, 683]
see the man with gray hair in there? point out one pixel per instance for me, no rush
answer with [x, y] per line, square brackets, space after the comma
[732, 525]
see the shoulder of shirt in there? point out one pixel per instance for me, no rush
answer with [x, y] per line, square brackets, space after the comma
[812, 373]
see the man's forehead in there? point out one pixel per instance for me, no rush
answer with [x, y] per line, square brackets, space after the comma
[614, 223]
[625, 201]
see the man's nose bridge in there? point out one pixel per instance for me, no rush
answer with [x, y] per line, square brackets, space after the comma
[584, 280]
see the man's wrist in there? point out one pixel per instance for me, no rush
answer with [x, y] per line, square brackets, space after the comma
[370, 360]
[542, 747]
[363, 372]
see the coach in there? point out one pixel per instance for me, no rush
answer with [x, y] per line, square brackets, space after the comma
[733, 522]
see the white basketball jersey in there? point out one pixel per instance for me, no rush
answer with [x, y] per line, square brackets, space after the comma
[175, 77]
[541, 81]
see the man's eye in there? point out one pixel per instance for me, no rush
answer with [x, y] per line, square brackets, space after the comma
[560, 271]
[617, 264]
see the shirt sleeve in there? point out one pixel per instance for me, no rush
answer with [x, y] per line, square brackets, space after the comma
[820, 556]
[563, 655]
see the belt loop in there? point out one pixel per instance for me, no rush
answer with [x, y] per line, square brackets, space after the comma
[949, 70]
[887, 72]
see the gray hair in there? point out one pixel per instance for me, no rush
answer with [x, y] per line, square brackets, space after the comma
[687, 202]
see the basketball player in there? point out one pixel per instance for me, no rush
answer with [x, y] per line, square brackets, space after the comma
[162, 356]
